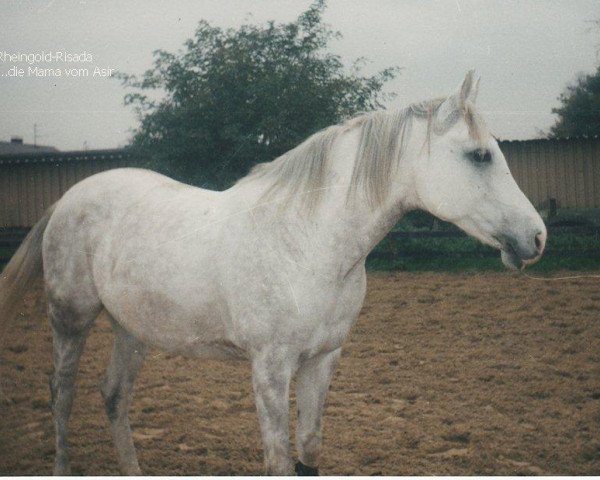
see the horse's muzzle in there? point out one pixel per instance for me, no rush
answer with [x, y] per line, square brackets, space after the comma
[522, 250]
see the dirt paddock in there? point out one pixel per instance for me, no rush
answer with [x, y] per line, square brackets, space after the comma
[443, 374]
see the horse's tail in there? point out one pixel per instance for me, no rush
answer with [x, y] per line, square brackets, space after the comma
[24, 266]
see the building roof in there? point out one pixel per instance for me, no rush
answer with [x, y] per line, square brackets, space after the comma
[550, 139]
[13, 147]
[42, 154]
[54, 156]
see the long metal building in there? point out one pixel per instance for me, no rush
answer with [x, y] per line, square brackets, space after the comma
[565, 170]
[31, 182]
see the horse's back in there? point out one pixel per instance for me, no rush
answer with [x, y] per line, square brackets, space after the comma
[110, 215]
[110, 195]
[121, 186]
[93, 204]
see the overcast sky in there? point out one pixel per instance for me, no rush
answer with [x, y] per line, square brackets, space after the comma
[526, 52]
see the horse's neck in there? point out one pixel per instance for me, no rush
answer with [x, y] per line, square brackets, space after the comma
[347, 228]
[342, 229]
[352, 220]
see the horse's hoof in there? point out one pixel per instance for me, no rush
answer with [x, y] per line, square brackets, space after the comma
[306, 471]
[62, 471]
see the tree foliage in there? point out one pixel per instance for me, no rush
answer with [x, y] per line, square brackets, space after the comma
[233, 98]
[579, 113]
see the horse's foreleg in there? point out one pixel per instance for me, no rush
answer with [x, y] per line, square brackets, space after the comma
[312, 384]
[126, 360]
[271, 375]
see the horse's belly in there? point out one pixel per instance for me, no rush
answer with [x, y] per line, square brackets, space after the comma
[189, 338]
[185, 323]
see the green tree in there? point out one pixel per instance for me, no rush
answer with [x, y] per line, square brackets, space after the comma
[233, 98]
[579, 113]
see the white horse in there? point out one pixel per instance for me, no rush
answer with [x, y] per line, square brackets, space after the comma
[271, 270]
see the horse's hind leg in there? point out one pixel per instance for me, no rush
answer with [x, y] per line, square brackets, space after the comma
[125, 363]
[70, 327]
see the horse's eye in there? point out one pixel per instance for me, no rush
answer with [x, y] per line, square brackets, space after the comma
[481, 156]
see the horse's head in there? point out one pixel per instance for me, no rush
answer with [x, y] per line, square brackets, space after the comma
[463, 178]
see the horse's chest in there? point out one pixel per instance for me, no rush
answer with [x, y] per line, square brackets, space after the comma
[325, 315]
[336, 323]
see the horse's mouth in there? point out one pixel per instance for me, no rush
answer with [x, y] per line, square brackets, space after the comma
[509, 256]
[510, 259]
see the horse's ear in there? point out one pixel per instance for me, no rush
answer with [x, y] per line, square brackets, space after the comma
[449, 110]
[447, 113]
[468, 89]
[475, 91]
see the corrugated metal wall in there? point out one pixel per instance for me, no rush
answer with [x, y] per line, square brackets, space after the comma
[567, 170]
[28, 189]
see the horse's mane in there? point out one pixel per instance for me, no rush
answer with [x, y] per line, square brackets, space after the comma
[383, 139]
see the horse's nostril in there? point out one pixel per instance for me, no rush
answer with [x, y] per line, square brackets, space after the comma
[538, 241]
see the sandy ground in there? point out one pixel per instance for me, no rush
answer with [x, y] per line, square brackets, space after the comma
[443, 374]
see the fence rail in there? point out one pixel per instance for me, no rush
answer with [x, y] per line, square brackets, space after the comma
[11, 238]
[576, 230]
[429, 251]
